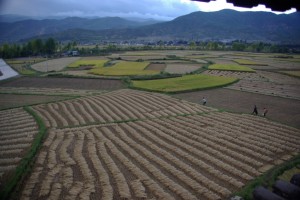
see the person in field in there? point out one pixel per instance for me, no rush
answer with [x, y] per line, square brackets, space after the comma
[255, 110]
[203, 101]
[265, 112]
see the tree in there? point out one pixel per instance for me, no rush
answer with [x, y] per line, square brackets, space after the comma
[50, 46]
[192, 45]
[37, 46]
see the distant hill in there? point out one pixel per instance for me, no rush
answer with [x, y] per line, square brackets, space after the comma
[14, 31]
[13, 18]
[221, 25]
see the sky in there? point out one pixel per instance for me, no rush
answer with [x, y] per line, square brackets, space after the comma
[155, 9]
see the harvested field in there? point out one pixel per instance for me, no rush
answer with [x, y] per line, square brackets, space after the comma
[17, 131]
[283, 110]
[121, 105]
[263, 82]
[292, 73]
[156, 67]
[54, 65]
[65, 83]
[181, 68]
[280, 78]
[239, 75]
[48, 91]
[276, 85]
[276, 64]
[15, 100]
[175, 153]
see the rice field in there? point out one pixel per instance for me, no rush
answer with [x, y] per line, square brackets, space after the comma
[184, 83]
[84, 62]
[130, 144]
[114, 143]
[226, 67]
[17, 131]
[125, 68]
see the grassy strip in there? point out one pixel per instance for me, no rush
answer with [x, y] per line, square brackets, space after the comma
[184, 83]
[268, 178]
[238, 68]
[26, 163]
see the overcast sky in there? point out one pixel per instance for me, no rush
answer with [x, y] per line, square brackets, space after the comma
[157, 9]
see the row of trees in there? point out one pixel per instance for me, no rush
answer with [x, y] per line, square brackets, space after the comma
[50, 47]
[35, 47]
[258, 47]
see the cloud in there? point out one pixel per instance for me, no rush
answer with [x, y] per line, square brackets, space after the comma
[159, 9]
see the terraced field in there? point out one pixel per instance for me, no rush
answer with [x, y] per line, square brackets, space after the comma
[129, 144]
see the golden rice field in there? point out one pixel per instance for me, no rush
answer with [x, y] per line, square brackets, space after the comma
[130, 144]
[125, 68]
[87, 62]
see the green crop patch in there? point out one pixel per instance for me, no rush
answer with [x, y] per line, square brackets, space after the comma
[184, 83]
[94, 63]
[125, 69]
[224, 67]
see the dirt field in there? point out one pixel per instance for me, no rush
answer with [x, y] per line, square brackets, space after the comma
[14, 100]
[181, 68]
[54, 65]
[65, 83]
[283, 110]
[158, 67]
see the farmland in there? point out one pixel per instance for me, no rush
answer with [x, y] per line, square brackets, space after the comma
[106, 141]
[184, 83]
[54, 64]
[154, 154]
[124, 69]
[223, 67]
[14, 143]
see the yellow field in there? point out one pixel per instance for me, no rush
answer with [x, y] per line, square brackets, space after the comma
[184, 83]
[230, 68]
[124, 69]
[95, 63]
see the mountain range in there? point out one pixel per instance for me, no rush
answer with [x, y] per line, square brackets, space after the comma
[198, 26]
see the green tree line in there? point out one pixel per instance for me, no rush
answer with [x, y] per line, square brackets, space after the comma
[50, 47]
[35, 47]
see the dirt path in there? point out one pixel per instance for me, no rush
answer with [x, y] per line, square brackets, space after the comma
[283, 110]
